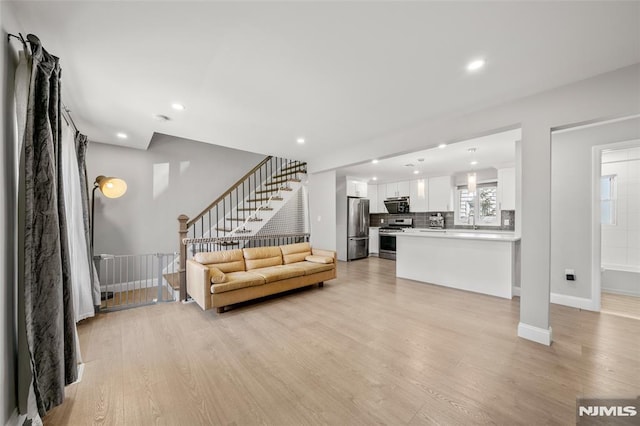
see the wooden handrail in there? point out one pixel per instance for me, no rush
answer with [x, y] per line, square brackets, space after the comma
[228, 191]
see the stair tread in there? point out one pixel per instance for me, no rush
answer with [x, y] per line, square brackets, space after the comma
[301, 165]
[239, 219]
[264, 199]
[254, 209]
[279, 182]
[288, 174]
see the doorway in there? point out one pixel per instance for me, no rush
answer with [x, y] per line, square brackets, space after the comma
[619, 204]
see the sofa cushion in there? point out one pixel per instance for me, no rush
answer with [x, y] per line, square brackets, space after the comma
[238, 280]
[216, 276]
[292, 253]
[262, 257]
[280, 272]
[312, 267]
[319, 259]
[225, 260]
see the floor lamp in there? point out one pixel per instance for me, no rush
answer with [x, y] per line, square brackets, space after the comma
[111, 187]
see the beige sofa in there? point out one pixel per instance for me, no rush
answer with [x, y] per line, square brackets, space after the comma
[223, 278]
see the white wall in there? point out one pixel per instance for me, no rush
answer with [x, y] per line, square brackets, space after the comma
[571, 205]
[621, 241]
[322, 208]
[8, 201]
[613, 94]
[174, 176]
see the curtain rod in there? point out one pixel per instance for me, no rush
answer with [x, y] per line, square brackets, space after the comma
[66, 112]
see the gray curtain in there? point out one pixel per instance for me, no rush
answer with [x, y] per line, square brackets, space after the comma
[49, 316]
[81, 152]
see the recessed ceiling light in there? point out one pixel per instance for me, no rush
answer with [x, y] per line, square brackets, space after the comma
[375, 178]
[415, 172]
[420, 160]
[474, 162]
[177, 106]
[475, 65]
[471, 150]
[300, 140]
[409, 165]
[442, 145]
[121, 135]
[374, 161]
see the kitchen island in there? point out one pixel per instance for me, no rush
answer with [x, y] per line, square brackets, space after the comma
[480, 261]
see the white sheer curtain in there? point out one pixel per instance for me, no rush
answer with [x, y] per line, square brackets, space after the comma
[80, 273]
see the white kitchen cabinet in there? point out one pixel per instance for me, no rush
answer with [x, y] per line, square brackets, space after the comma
[418, 201]
[372, 195]
[374, 240]
[440, 194]
[506, 189]
[382, 194]
[356, 188]
[398, 189]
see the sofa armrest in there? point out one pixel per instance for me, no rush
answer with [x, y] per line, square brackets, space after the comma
[199, 283]
[325, 253]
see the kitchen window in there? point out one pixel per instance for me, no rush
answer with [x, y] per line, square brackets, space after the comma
[479, 207]
[608, 200]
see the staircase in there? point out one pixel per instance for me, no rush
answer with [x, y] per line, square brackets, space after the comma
[242, 211]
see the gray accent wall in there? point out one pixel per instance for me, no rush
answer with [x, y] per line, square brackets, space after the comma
[174, 176]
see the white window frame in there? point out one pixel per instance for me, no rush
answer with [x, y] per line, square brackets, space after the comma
[612, 200]
[495, 221]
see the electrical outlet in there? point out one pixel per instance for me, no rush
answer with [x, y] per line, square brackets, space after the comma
[570, 274]
[381, 220]
[506, 222]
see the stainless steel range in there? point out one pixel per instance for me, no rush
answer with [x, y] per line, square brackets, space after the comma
[388, 236]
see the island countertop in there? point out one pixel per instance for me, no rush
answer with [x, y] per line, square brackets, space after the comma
[460, 234]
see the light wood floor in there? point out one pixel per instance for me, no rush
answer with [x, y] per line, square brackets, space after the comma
[617, 304]
[366, 349]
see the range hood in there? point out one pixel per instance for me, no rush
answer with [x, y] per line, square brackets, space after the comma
[397, 205]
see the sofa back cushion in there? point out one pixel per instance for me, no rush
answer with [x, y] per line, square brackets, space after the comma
[261, 257]
[226, 260]
[292, 253]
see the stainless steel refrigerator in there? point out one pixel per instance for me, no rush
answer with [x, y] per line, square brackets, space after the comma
[357, 228]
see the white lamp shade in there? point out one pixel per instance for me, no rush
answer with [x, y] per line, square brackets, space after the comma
[471, 182]
[111, 187]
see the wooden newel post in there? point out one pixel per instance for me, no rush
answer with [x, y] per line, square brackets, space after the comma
[182, 267]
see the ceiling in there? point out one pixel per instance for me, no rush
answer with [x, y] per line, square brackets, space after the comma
[258, 75]
[492, 151]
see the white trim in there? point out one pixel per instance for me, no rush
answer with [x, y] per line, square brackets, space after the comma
[620, 268]
[575, 302]
[535, 334]
[515, 291]
[620, 292]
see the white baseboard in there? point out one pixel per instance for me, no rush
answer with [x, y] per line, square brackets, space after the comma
[515, 291]
[573, 301]
[621, 292]
[535, 334]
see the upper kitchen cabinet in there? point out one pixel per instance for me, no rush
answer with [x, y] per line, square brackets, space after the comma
[372, 195]
[382, 194]
[418, 200]
[398, 189]
[440, 194]
[356, 188]
[506, 195]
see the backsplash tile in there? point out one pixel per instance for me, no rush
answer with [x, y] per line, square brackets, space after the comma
[421, 220]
